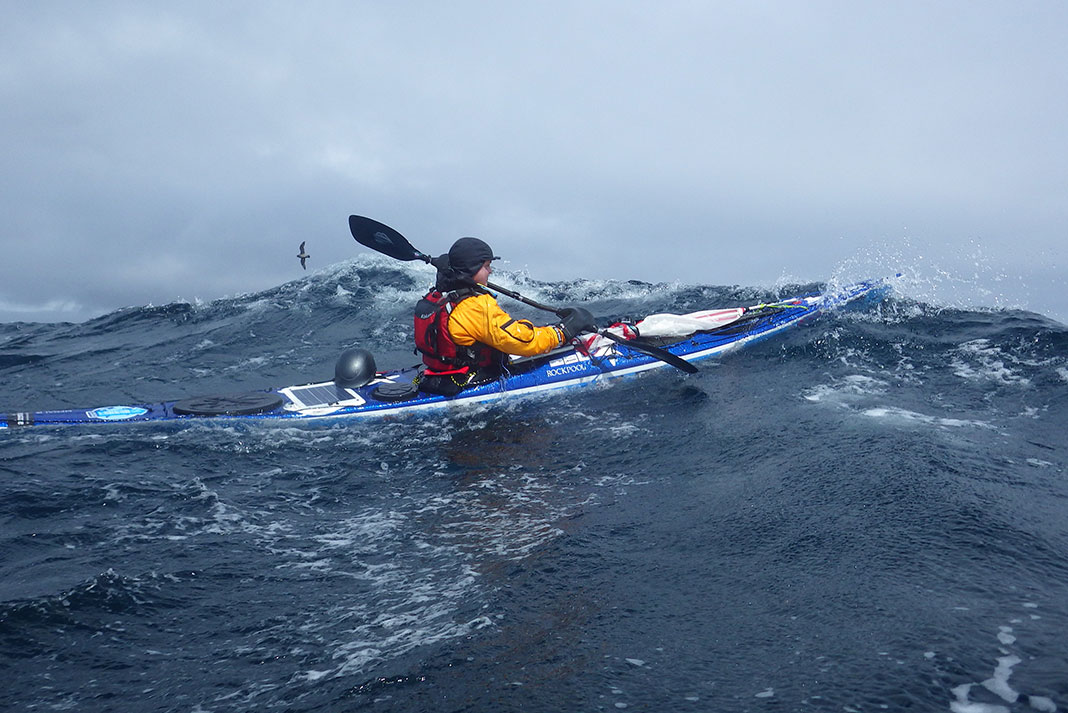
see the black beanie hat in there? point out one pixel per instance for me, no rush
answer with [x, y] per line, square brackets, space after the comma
[468, 255]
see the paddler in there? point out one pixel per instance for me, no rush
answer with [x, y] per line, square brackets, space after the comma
[464, 334]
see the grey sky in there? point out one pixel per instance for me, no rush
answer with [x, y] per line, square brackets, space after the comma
[163, 151]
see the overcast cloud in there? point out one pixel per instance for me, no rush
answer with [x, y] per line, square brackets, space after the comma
[163, 151]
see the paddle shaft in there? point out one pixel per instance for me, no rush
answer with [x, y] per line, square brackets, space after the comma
[524, 300]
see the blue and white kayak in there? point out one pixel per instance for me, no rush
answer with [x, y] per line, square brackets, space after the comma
[692, 337]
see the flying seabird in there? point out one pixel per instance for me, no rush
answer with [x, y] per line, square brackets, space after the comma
[303, 256]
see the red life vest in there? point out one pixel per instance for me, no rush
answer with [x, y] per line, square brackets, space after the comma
[440, 353]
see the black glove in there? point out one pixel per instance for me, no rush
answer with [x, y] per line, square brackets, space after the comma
[575, 321]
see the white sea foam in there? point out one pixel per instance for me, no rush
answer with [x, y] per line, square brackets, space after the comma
[906, 416]
[846, 389]
[998, 683]
[856, 392]
[978, 360]
[963, 705]
[1041, 703]
[416, 588]
[606, 422]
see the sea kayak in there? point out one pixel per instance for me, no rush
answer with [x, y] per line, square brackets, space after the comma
[617, 351]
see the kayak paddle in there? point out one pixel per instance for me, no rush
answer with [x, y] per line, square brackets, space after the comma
[384, 239]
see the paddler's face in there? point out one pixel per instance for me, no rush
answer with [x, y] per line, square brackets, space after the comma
[482, 276]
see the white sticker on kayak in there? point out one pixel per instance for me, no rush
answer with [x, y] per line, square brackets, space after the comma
[571, 358]
[117, 413]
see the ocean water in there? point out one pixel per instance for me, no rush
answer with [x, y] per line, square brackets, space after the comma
[867, 512]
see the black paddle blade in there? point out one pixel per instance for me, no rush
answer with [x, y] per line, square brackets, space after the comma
[655, 352]
[384, 239]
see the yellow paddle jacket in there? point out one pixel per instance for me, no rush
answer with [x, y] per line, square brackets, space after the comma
[481, 319]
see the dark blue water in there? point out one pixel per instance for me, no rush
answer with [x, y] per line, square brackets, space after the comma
[868, 512]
